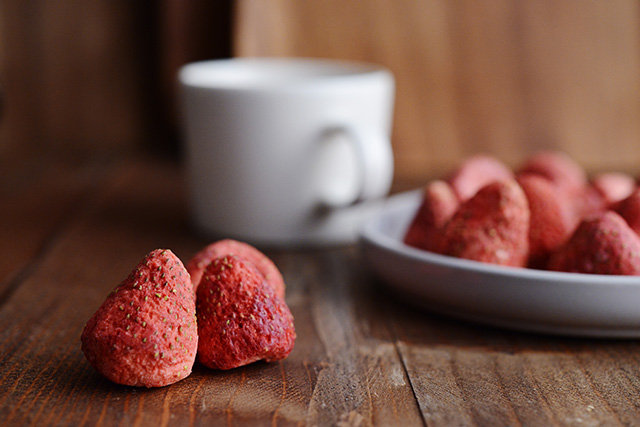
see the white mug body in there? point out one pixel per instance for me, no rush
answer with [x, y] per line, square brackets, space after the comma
[259, 159]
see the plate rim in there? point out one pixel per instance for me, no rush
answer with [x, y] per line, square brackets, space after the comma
[372, 234]
[585, 316]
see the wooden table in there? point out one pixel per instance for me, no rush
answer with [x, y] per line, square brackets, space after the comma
[72, 229]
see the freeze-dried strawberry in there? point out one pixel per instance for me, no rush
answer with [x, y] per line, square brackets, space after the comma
[613, 186]
[475, 172]
[145, 333]
[588, 203]
[240, 318]
[551, 218]
[439, 203]
[629, 209]
[221, 248]
[558, 168]
[492, 227]
[602, 244]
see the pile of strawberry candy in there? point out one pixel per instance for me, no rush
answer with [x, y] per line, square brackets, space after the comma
[226, 308]
[547, 214]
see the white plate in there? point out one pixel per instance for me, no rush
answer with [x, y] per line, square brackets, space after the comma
[517, 298]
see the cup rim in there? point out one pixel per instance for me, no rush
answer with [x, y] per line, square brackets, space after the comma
[264, 73]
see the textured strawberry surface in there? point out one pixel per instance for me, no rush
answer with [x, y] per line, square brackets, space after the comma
[492, 226]
[241, 319]
[475, 172]
[603, 244]
[551, 218]
[145, 332]
[558, 168]
[558, 197]
[629, 209]
[439, 203]
[264, 265]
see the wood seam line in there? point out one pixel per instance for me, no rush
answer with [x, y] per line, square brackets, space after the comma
[406, 372]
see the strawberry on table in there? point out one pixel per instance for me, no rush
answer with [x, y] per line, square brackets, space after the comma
[221, 248]
[241, 319]
[145, 334]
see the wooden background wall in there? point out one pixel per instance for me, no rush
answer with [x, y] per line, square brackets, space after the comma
[500, 76]
[97, 77]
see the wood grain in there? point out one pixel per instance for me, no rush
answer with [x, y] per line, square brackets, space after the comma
[70, 81]
[43, 194]
[503, 77]
[506, 77]
[362, 357]
[99, 77]
[499, 76]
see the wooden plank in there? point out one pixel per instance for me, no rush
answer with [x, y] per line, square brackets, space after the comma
[465, 374]
[362, 356]
[100, 76]
[338, 372]
[19, 67]
[581, 85]
[363, 379]
[42, 367]
[72, 76]
[40, 194]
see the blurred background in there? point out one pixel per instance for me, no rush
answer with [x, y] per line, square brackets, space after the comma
[98, 78]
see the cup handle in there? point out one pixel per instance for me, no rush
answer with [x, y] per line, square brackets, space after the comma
[353, 165]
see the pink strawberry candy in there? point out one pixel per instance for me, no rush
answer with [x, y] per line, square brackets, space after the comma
[144, 334]
[265, 266]
[552, 220]
[240, 318]
[602, 244]
[492, 227]
[475, 172]
[439, 203]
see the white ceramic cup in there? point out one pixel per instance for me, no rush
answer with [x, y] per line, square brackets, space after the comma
[286, 151]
